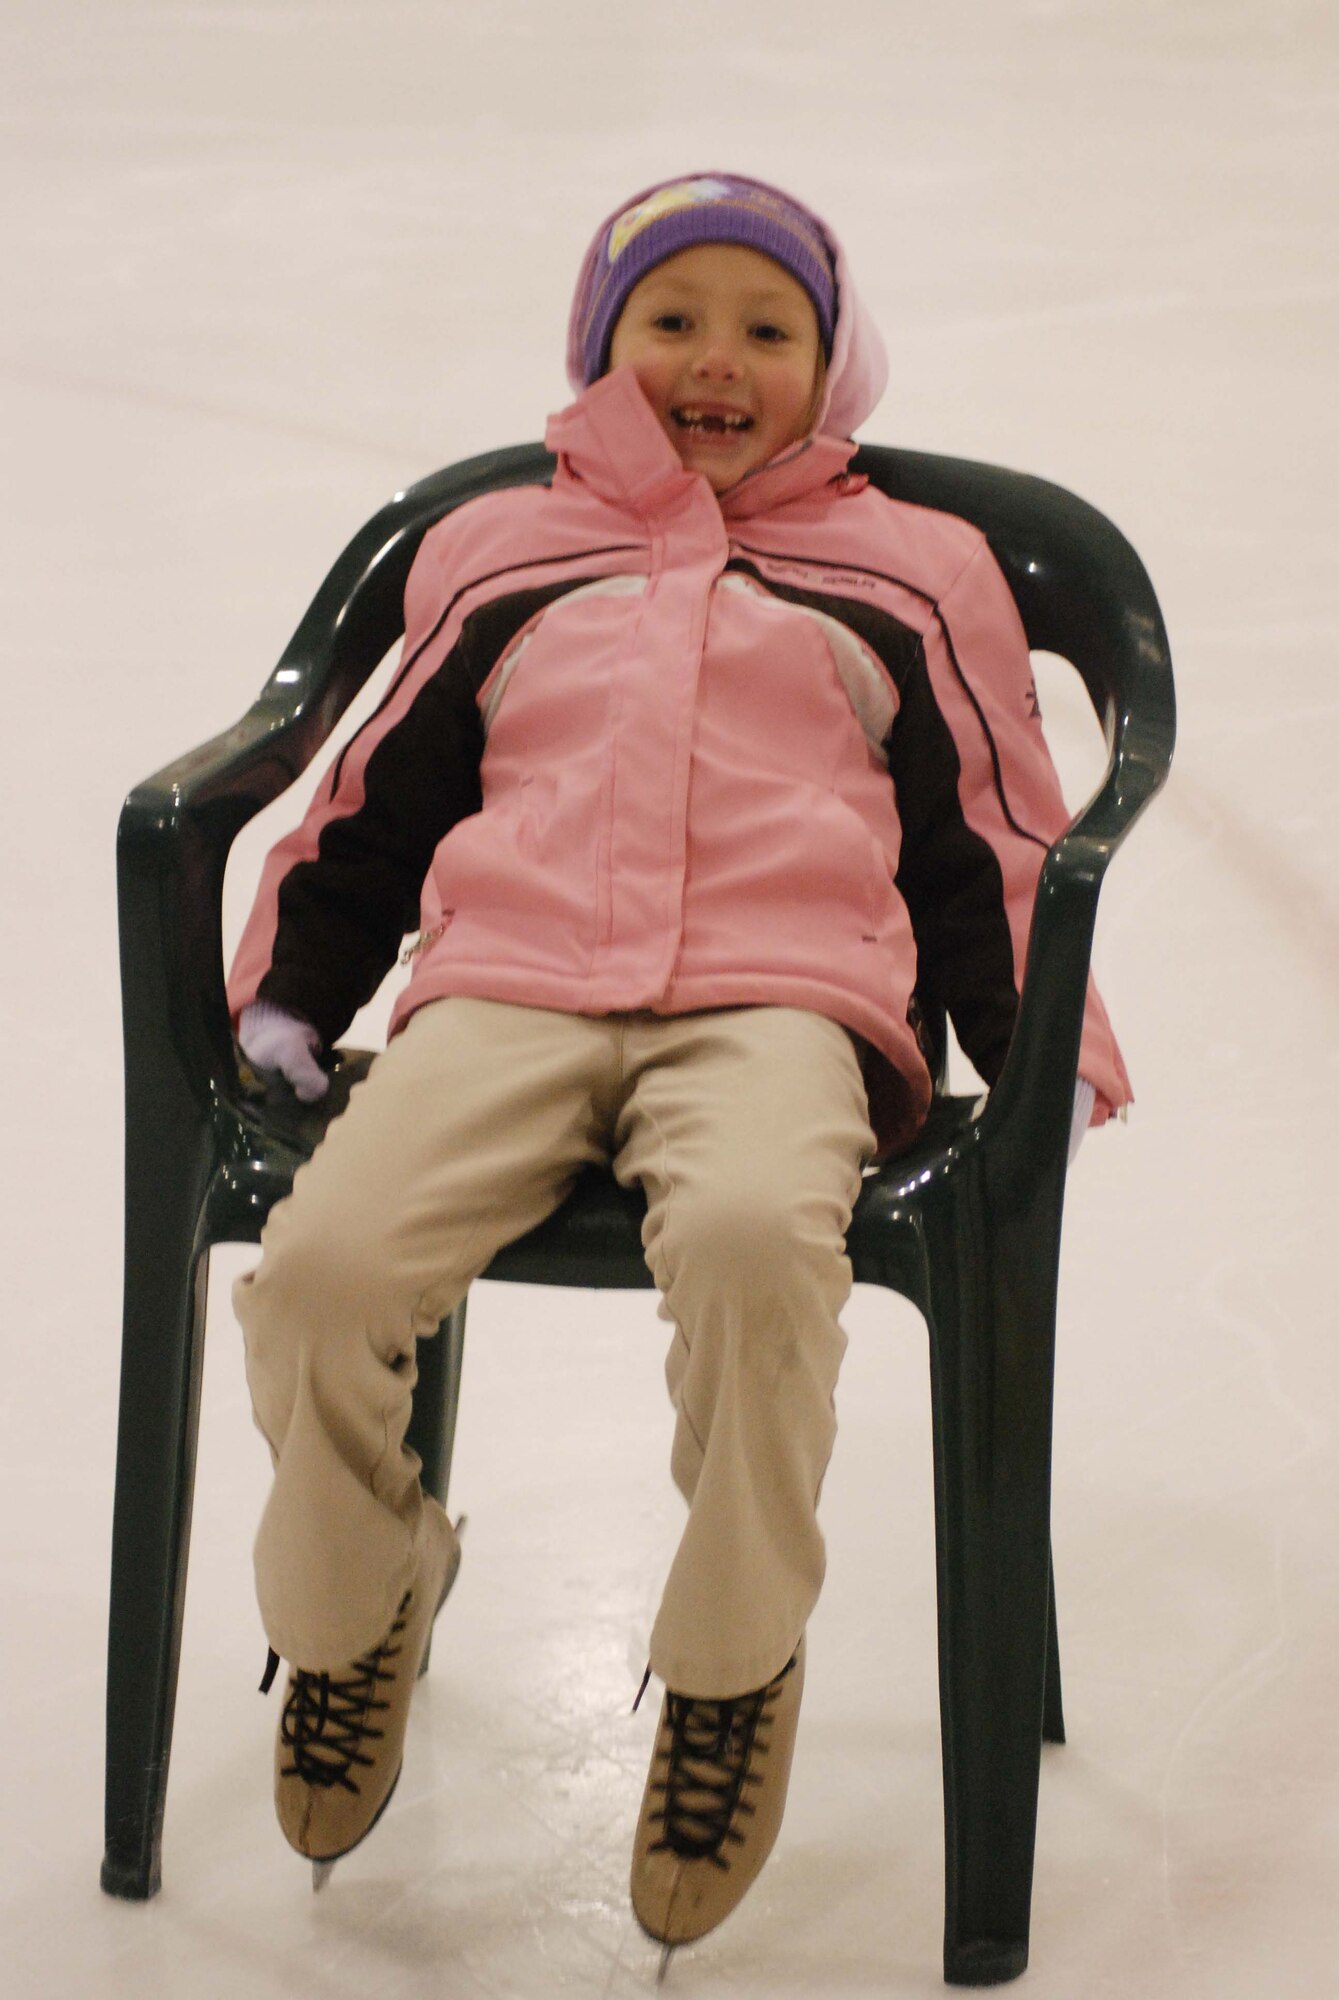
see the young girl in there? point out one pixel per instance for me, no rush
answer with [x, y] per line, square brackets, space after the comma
[696, 764]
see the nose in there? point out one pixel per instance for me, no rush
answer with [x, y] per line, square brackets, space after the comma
[717, 360]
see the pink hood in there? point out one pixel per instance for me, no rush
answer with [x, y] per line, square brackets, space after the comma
[858, 370]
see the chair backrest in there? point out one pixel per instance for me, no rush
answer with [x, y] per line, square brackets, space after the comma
[1080, 588]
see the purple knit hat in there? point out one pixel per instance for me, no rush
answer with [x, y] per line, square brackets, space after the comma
[708, 208]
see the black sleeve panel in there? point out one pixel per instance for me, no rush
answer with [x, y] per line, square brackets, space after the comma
[343, 914]
[952, 884]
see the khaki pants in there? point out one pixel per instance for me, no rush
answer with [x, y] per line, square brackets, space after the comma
[746, 1127]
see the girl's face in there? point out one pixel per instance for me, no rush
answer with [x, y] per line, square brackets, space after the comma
[725, 344]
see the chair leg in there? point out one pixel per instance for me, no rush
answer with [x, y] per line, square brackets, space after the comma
[162, 1353]
[992, 1352]
[432, 1424]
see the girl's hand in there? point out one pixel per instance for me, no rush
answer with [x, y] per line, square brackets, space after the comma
[273, 1039]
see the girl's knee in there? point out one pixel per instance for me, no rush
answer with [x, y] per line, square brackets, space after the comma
[314, 1272]
[755, 1235]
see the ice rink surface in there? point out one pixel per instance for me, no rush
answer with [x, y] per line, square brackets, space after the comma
[266, 263]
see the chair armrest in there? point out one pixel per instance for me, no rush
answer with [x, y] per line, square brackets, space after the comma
[177, 827]
[1034, 1096]
[175, 833]
[1119, 644]
[1082, 592]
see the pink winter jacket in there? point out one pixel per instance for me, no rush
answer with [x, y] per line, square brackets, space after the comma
[648, 748]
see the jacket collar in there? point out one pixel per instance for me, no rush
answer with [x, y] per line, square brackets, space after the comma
[609, 439]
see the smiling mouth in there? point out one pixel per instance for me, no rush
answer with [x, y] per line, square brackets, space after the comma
[711, 423]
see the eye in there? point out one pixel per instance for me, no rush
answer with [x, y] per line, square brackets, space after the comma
[670, 322]
[766, 330]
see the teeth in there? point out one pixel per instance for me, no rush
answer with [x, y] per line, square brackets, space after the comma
[694, 419]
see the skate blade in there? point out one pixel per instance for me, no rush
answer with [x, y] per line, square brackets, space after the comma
[321, 1873]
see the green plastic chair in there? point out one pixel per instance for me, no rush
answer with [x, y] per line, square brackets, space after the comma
[966, 1224]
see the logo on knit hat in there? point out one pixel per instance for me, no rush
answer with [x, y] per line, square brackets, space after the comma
[681, 194]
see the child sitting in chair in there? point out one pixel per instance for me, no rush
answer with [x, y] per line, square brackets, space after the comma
[697, 763]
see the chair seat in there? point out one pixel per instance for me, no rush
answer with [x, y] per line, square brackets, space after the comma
[599, 1225]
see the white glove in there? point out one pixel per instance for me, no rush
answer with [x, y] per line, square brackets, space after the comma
[1084, 1098]
[273, 1039]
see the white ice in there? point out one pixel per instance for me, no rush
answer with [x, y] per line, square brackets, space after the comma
[266, 263]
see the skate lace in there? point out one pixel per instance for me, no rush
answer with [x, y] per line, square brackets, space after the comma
[329, 1719]
[713, 1746]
